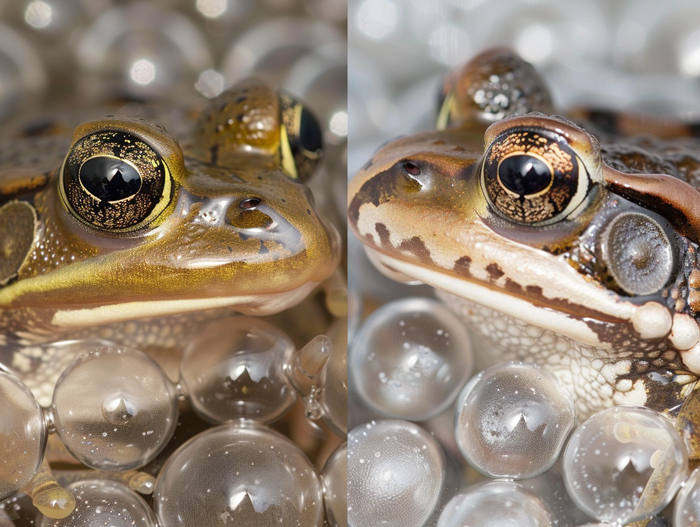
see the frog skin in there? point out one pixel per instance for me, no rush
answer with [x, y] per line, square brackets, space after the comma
[221, 220]
[556, 246]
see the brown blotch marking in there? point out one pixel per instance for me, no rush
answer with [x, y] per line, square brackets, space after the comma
[513, 287]
[377, 190]
[458, 149]
[534, 294]
[383, 233]
[494, 271]
[438, 142]
[416, 246]
[663, 390]
[462, 265]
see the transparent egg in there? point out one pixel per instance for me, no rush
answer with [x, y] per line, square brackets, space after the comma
[334, 379]
[410, 359]
[502, 503]
[242, 474]
[22, 435]
[512, 420]
[334, 478]
[102, 502]
[396, 472]
[235, 369]
[687, 509]
[624, 464]
[114, 408]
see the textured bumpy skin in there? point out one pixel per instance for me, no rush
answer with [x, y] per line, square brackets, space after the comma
[213, 221]
[557, 246]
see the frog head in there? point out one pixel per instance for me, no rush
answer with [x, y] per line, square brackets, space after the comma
[553, 255]
[133, 224]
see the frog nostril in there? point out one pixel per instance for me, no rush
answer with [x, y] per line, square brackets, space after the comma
[250, 203]
[411, 168]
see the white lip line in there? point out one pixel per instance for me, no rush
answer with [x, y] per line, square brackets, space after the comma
[107, 314]
[449, 240]
[510, 305]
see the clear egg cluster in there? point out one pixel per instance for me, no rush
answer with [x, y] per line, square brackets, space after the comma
[514, 423]
[115, 410]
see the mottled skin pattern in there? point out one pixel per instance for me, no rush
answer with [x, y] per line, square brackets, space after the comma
[538, 276]
[230, 229]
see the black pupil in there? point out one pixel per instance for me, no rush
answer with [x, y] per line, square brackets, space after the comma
[109, 179]
[309, 132]
[524, 175]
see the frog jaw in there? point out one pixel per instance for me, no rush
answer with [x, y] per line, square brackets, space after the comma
[532, 285]
[200, 258]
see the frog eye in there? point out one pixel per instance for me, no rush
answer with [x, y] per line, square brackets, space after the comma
[301, 139]
[114, 181]
[533, 177]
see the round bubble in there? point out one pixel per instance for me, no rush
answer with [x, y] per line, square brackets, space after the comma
[410, 358]
[396, 472]
[103, 502]
[114, 408]
[512, 420]
[502, 503]
[235, 369]
[334, 380]
[22, 435]
[334, 477]
[624, 464]
[687, 509]
[241, 474]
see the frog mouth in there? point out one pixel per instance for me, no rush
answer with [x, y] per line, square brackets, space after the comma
[246, 304]
[599, 328]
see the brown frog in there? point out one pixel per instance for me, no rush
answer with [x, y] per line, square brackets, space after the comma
[573, 250]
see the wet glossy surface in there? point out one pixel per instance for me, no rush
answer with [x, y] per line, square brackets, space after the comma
[22, 435]
[247, 475]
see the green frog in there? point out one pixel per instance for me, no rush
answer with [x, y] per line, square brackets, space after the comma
[125, 223]
[557, 242]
